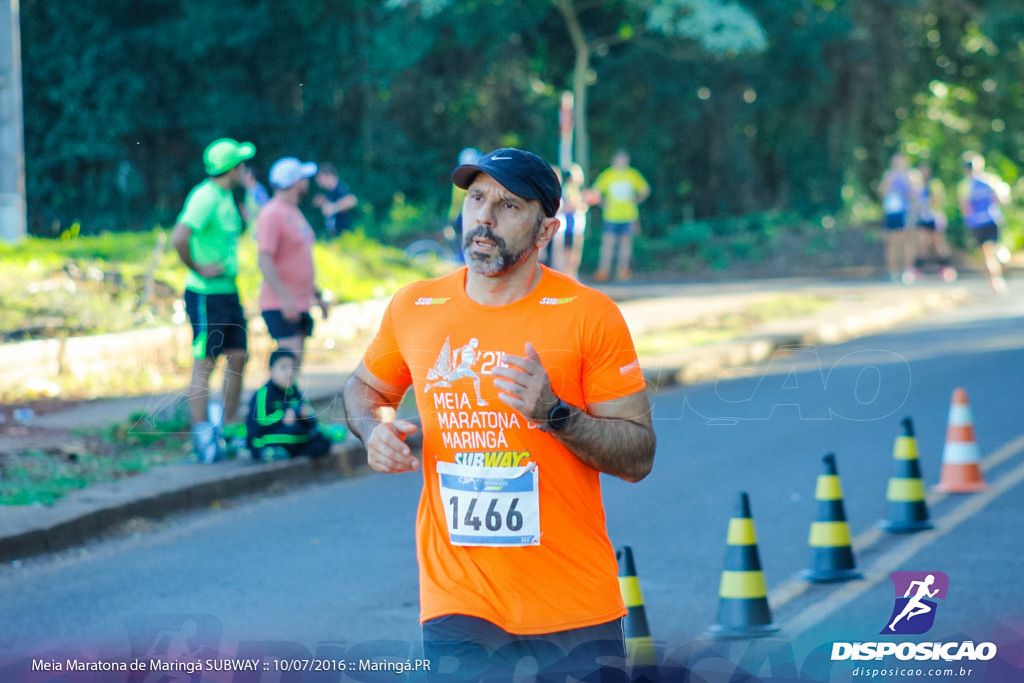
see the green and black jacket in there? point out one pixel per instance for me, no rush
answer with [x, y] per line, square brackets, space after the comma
[265, 422]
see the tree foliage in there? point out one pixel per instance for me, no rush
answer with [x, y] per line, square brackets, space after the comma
[728, 107]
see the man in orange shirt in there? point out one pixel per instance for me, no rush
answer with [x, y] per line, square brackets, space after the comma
[514, 556]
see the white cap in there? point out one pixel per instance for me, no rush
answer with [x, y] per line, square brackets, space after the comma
[288, 171]
[470, 155]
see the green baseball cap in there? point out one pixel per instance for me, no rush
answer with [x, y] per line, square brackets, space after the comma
[224, 154]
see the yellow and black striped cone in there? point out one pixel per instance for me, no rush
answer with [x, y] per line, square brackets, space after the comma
[905, 493]
[832, 552]
[639, 645]
[743, 599]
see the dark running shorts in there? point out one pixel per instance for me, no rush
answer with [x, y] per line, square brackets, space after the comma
[570, 223]
[218, 323]
[926, 225]
[619, 228]
[279, 328]
[986, 233]
[895, 221]
[462, 648]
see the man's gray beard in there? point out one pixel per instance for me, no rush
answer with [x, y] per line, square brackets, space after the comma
[496, 263]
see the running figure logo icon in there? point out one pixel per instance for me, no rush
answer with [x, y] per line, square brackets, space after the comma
[914, 612]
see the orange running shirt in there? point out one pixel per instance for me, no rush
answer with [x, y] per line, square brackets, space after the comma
[510, 526]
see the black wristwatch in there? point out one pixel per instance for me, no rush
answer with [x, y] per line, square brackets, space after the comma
[558, 417]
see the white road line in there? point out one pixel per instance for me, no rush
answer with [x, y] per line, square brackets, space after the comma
[888, 562]
[795, 585]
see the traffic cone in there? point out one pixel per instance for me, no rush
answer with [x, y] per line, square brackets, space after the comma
[639, 646]
[743, 599]
[907, 509]
[832, 558]
[961, 472]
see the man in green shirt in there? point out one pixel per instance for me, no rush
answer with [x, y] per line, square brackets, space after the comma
[206, 238]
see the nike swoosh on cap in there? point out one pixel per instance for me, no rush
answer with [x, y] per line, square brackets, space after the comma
[500, 158]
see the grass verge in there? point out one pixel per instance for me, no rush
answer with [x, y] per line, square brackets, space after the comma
[41, 474]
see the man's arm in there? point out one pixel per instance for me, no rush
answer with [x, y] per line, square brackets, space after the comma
[963, 197]
[344, 203]
[289, 306]
[1000, 190]
[615, 437]
[370, 411]
[180, 236]
[883, 187]
[643, 189]
[916, 183]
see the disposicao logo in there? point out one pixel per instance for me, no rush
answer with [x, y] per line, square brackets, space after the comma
[916, 592]
[913, 614]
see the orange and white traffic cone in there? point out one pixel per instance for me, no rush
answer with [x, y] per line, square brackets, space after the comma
[961, 471]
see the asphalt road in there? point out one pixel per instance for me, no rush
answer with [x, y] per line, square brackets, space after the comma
[332, 566]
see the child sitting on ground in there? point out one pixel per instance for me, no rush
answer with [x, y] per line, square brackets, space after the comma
[280, 423]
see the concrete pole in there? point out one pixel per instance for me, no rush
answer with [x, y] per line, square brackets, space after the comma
[565, 126]
[12, 130]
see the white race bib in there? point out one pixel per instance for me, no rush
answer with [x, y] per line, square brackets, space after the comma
[490, 506]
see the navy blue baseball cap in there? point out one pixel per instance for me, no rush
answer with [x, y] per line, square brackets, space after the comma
[523, 173]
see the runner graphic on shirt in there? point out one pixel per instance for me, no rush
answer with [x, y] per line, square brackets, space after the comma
[451, 366]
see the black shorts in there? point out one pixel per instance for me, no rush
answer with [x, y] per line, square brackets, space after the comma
[477, 649]
[986, 233]
[218, 323]
[570, 223]
[926, 225]
[279, 328]
[895, 221]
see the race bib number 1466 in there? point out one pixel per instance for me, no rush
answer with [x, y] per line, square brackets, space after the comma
[490, 506]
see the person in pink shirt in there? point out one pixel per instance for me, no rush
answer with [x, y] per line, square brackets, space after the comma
[285, 242]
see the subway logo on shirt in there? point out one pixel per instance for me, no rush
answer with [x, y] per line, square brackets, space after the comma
[492, 458]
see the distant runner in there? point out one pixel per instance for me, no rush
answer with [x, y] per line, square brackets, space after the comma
[931, 224]
[898, 191]
[981, 196]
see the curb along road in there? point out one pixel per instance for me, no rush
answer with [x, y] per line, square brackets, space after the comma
[832, 327]
[89, 513]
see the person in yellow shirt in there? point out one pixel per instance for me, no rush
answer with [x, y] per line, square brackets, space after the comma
[622, 190]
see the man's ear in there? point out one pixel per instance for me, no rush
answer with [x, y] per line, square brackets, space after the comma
[548, 228]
